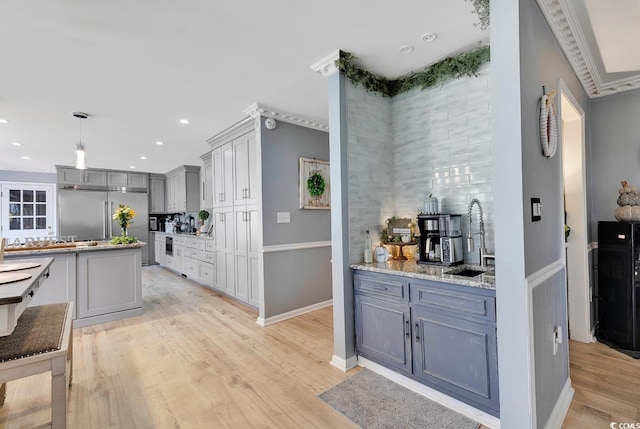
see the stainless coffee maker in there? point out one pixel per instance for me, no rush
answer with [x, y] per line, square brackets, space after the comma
[440, 239]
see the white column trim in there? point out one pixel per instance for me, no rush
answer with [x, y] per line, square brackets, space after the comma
[257, 110]
[342, 364]
[293, 313]
[295, 246]
[327, 66]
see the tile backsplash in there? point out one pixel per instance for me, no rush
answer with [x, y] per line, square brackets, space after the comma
[435, 141]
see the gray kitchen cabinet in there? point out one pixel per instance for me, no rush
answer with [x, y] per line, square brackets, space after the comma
[383, 332]
[73, 176]
[440, 334]
[61, 284]
[224, 250]
[157, 193]
[183, 189]
[123, 179]
[103, 290]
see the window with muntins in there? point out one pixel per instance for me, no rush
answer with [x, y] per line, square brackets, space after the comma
[27, 210]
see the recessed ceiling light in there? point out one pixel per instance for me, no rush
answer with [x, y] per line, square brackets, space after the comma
[184, 121]
[143, 157]
[429, 37]
[406, 49]
[16, 144]
[25, 157]
[3, 121]
[159, 143]
[132, 166]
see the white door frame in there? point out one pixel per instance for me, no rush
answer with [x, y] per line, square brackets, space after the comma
[571, 121]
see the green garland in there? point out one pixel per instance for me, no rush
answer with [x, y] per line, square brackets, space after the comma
[316, 184]
[482, 9]
[465, 64]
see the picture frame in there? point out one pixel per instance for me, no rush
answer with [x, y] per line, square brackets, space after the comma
[314, 184]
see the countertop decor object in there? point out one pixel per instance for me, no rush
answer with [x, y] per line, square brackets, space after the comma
[124, 216]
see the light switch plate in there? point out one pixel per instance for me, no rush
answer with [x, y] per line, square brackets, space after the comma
[284, 217]
[536, 210]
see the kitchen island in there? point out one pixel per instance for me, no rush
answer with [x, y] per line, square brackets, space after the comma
[431, 325]
[104, 280]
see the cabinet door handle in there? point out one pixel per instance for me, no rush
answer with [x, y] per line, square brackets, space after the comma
[380, 288]
[417, 332]
[407, 328]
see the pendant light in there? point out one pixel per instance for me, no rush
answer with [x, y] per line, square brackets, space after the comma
[81, 154]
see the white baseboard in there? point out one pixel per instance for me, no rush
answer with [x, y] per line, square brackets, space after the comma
[439, 397]
[344, 364]
[293, 313]
[561, 408]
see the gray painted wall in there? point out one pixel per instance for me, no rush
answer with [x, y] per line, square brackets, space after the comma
[542, 63]
[281, 149]
[296, 279]
[615, 150]
[292, 279]
[27, 176]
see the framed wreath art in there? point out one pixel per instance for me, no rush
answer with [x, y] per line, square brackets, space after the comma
[315, 189]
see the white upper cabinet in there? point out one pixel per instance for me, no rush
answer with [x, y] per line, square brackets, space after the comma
[245, 169]
[206, 182]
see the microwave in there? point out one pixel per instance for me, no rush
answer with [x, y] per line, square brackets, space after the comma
[154, 225]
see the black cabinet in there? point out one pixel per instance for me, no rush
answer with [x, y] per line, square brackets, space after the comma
[439, 334]
[618, 294]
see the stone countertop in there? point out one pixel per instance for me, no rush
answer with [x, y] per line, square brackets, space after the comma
[431, 272]
[79, 247]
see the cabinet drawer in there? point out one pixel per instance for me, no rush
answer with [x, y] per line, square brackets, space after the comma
[466, 304]
[191, 268]
[209, 245]
[192, 243]
[382, 286]
[193, 253]
[205, 273]
[178, 241]
[202, 246]
[210, 257]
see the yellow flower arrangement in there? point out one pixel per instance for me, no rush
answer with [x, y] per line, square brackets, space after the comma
[124, 216]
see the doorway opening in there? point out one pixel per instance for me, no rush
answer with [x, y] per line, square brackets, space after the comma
[579, 290]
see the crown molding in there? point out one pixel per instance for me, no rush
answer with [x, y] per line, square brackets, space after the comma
[327, 65]
[257, 110]
[565, 26]
[236, 130]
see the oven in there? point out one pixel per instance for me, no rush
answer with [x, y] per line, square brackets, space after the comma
[168, 245]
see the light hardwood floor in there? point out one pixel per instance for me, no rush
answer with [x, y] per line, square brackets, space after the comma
[196, 359]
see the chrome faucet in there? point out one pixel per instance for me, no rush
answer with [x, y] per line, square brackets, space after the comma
[484, 255]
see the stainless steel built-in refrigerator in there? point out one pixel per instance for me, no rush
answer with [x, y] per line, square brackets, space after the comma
[87, 214]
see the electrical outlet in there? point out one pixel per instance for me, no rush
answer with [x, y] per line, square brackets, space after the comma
[284, 217]
[555, 340]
